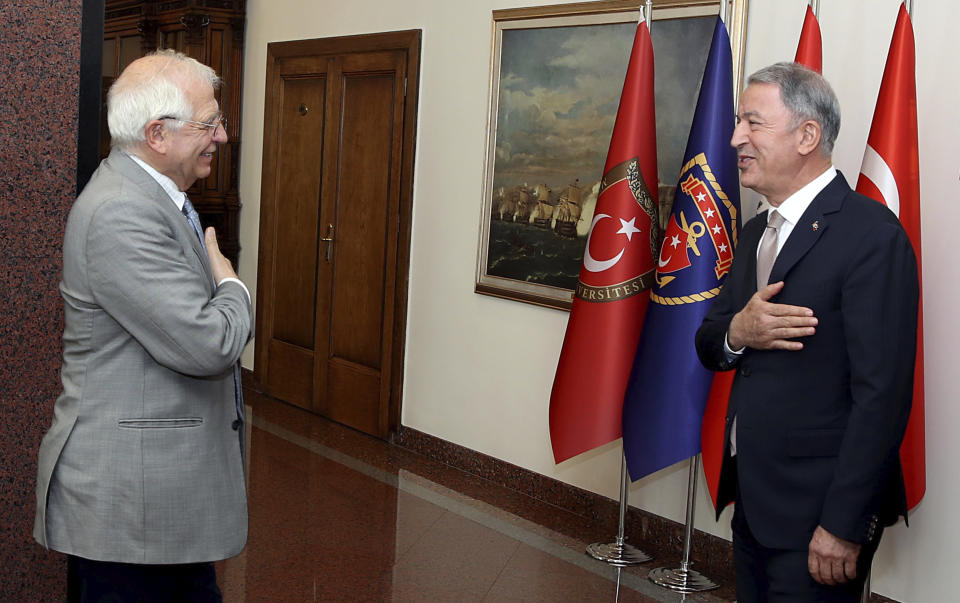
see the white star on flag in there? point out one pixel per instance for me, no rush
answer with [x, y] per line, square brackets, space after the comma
[628, 228]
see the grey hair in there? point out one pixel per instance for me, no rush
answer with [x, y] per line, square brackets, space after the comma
[807, 95]
[138, 98]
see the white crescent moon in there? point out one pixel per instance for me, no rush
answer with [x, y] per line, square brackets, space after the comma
[877, 171]
[598, 265]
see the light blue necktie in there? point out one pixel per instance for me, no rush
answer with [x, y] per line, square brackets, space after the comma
[194, 219]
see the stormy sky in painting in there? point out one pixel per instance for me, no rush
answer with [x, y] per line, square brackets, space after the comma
[560, 87]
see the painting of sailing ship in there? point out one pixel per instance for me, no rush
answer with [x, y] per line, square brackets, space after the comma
[555, 98]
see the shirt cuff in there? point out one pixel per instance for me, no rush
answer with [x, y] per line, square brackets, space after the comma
[732, 354]
[230, 279]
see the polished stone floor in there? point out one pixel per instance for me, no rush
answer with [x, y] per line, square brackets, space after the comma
[336, 515]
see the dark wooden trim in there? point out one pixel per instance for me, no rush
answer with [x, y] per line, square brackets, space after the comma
[91, 74]
[395, 40]
[411, 41]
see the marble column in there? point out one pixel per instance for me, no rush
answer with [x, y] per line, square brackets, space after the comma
[39, 88]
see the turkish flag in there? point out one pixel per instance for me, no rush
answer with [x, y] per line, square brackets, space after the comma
[891, 174]
[810, 47]
[586, 403]
[673, 253]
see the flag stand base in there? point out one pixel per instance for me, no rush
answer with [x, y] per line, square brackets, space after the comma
[684, 579]
[681, 580]
[619, 555]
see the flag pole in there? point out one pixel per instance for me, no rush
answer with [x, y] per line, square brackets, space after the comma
[683, 579]
[618, 552]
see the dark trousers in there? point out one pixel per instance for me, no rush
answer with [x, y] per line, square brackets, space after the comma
[781, 576]
[108, 582]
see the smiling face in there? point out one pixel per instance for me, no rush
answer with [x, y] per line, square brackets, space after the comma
[770, 149]
[190, 148]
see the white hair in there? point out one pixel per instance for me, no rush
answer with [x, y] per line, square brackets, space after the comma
[137, 98]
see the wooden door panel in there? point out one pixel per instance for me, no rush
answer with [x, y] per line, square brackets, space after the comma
[291, 373]
[299, 151]
[297, 211]
[353, 396]
[370, 135]
[366, 140]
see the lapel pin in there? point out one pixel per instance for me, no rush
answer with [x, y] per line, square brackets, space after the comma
[816, 225]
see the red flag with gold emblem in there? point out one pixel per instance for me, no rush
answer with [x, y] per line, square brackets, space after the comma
[611, 298]
[891, 174]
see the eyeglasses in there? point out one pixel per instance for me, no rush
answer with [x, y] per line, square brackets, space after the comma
[213, 124]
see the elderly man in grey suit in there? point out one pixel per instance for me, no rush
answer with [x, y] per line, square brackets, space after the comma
[141, 479]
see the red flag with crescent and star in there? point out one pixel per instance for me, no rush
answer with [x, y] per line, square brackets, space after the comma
[891, 174]
[611, 298]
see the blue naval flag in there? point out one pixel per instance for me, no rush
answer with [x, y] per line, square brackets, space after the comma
[668, 387]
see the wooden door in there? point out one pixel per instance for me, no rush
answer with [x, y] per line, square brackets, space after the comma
[334, 230]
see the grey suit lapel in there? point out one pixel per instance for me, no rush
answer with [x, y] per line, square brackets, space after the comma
[811, 226]
[131, 170]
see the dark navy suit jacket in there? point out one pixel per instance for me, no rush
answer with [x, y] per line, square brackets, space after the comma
[819, 430]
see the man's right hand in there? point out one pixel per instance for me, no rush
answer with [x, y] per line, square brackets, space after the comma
[764, 325]
[221, 266]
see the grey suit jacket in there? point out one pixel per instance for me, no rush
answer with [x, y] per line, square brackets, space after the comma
[142, 462]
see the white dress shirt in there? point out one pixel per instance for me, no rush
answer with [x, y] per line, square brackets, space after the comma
[791, 210]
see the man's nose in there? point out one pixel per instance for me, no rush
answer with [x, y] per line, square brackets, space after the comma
[739, 136]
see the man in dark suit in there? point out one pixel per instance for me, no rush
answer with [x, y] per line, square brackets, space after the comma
[818, 316]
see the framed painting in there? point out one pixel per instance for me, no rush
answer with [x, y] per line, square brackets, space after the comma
[555, 81]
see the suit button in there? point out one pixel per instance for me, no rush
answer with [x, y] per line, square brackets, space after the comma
[745, 371]
[235, 424]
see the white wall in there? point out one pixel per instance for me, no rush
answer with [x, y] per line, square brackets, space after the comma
[479, 369]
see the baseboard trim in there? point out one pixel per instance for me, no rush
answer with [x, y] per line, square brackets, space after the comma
[658, 536]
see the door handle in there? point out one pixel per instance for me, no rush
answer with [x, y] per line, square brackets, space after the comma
[328, 240]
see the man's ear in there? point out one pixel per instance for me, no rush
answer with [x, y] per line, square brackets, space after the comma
[156, 135]
[810, 134]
